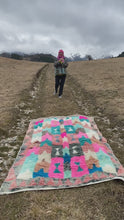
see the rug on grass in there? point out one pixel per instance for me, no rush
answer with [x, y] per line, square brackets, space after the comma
[62, 152]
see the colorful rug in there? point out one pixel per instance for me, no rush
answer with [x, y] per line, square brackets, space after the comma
[62, 152]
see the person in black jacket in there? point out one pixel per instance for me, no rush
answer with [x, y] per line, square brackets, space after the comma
[60, 72]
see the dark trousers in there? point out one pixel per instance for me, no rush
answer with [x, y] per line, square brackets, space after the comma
[59, 83]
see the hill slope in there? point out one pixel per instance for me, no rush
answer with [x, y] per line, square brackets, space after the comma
[91, 88]
[15, 76]
[104, 80]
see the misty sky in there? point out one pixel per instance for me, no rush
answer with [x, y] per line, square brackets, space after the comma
[93, 27]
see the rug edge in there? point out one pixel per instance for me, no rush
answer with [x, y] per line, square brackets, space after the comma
[67, 187]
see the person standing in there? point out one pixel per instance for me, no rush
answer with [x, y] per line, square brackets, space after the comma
[60, 73]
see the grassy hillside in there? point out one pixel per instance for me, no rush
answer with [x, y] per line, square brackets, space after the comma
[92, 88]
[104, 79]
[15, 77]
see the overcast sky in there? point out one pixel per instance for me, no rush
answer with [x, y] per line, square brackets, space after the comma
[93, 27]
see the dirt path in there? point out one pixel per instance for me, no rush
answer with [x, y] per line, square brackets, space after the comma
[100, 201]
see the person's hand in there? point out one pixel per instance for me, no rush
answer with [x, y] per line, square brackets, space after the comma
[61, 60]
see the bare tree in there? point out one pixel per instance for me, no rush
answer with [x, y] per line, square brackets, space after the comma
[89, 57]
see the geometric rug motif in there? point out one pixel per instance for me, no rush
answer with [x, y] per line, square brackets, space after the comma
[62, 152]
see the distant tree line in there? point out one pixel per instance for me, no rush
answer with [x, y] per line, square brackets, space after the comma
[31, 57]
[16, 56]
[40, 57]
[121, 55]
[43, 57]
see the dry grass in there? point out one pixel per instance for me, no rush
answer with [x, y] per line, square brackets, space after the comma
[104, 79]
[15, 76]
[84, 93]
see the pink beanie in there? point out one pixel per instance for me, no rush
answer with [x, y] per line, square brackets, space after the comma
[61, 56]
